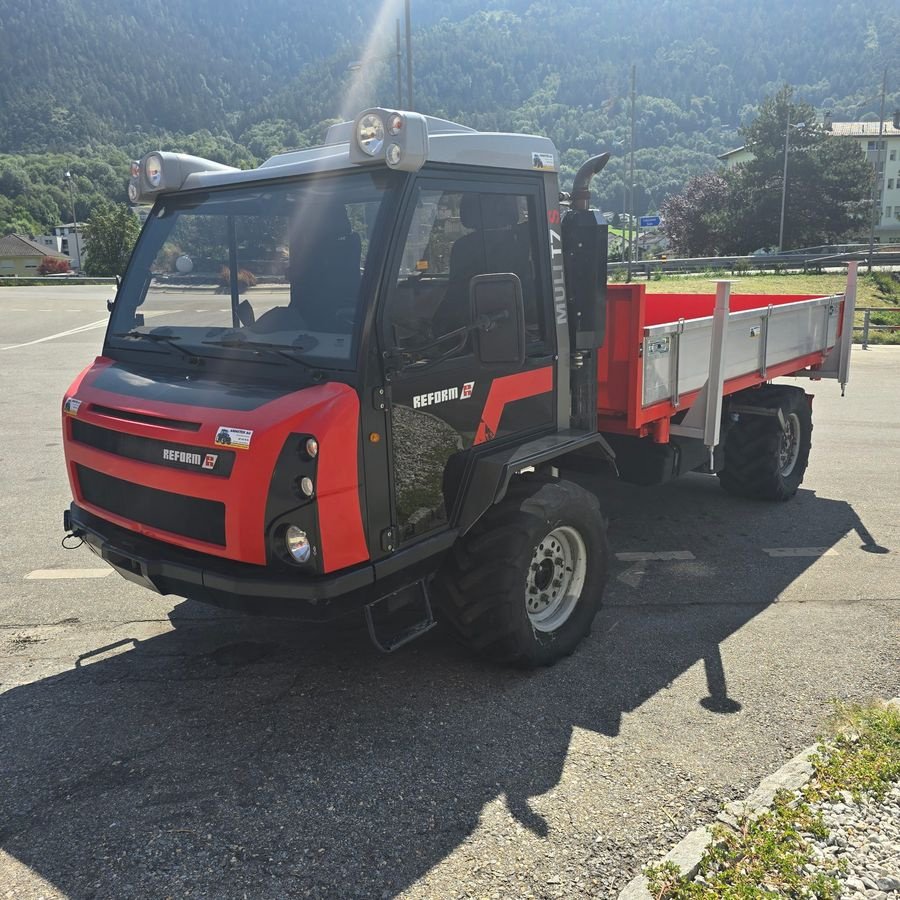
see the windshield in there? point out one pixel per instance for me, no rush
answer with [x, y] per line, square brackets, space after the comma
[272, 269]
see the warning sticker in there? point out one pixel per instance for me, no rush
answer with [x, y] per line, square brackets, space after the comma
[70, 407]
[542, 161]
[236, 438]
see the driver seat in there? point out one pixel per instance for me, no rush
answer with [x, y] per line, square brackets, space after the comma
[324, 268]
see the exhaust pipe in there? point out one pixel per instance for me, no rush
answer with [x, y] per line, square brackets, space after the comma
[581, 187]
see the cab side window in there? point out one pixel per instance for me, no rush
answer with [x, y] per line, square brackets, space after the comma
[454, 236]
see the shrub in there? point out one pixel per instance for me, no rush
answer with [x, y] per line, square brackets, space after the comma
[53, 265]
[245, 279]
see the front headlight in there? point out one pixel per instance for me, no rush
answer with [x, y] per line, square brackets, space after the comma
[153, 167]
[370, 134]
[297, 544]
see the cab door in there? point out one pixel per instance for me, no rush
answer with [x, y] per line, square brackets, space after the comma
[444, 403]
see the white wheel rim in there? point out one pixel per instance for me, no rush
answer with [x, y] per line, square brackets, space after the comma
[555, 578]
[789, 447]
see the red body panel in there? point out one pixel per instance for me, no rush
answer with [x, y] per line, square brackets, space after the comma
[328, 411]
[508, 389]
[629, 310]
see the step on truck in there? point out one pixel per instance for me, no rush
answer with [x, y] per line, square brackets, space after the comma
[366, 375]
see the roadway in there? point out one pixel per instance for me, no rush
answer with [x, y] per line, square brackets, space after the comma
[150, 746]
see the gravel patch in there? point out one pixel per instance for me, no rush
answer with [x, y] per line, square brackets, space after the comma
[862, 849]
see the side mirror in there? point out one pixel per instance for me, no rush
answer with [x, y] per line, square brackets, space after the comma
[111, 301]
[498, 317]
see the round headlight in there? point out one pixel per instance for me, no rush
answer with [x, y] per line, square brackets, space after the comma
[297, 544]
[370, 134]
[395, 124]
[135, 169]
[307, 486]
[312, 448]
[133, 192]
[393, 154]
[153, 170]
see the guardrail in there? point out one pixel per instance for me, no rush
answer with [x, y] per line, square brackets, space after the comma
[736, 264]
[868, 325]
[31, 280]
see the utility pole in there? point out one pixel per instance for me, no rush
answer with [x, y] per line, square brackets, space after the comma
[71, 183]
[878, 178]
[409, 80]
[787, 136]
[631, 181]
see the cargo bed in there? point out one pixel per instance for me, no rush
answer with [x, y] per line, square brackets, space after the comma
[663, 350]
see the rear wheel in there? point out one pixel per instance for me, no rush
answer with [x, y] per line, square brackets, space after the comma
[524, 585]
[765, 460]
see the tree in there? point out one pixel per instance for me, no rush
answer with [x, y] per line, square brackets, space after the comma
[53, 265]
[739, 210]
[692, 220]
[109, 236]
[828, 180]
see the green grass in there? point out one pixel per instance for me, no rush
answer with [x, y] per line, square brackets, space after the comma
[879, 289]
[863, 754]
[765, 857]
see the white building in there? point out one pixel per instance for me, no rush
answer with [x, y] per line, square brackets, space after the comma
[883, 152]
[63, 240]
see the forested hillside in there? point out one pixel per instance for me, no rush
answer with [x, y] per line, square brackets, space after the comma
[96, 81]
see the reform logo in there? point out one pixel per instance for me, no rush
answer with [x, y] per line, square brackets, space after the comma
[207, 461]
[434, 397]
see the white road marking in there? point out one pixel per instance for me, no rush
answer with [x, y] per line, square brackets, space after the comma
[61, 334]
[800, 551]
[56, 574]
[666, 555]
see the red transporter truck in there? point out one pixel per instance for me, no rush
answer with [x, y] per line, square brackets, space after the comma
[357, 376]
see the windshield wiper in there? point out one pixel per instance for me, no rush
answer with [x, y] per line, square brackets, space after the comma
[242, 343]
[157, 338]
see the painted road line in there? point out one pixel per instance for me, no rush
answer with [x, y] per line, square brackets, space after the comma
[644, 556]
[57, 574]
[61, 334]
[800, 551]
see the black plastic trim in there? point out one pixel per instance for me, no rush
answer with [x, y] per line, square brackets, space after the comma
[167, 569]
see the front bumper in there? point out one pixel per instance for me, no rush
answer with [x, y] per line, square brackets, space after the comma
[167, 569]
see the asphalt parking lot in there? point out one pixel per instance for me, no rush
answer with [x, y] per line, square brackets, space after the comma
[151, 747]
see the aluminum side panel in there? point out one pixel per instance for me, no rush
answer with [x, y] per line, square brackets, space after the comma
[790, 332]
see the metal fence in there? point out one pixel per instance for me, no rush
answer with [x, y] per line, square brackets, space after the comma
[868, 326]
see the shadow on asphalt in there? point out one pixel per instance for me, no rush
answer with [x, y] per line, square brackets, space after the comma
[231, 754]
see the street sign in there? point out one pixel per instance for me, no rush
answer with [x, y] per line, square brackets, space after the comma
[649, 221]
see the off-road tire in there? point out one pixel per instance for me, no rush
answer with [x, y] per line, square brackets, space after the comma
[482, 587]
[754, 446]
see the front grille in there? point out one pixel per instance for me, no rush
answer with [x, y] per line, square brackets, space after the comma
[145, 418]
[193, 517]
[161, 453]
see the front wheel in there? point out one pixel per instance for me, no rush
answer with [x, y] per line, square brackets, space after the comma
[524, 585]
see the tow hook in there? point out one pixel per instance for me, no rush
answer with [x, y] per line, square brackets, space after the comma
[72, 533]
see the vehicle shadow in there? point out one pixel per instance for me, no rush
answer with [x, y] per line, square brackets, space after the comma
[235, 757]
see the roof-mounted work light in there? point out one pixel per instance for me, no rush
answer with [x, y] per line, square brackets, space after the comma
[399, 139]
[159, 172]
